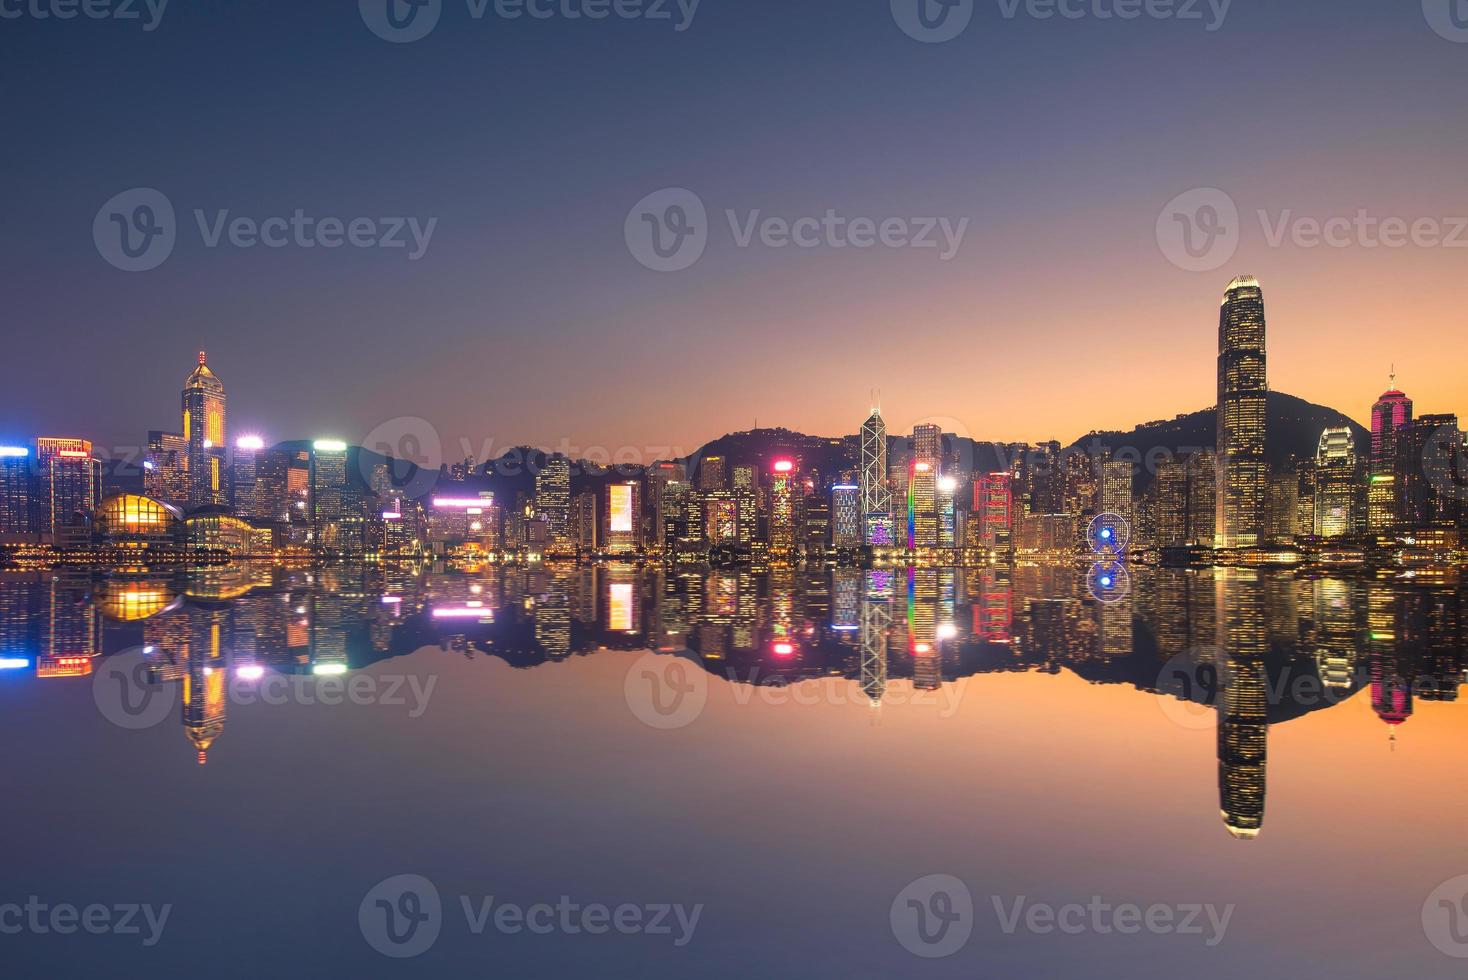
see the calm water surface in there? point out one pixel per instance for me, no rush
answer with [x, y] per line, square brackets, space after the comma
[747, 774]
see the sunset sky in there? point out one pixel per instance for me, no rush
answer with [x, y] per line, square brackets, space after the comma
[527, 320]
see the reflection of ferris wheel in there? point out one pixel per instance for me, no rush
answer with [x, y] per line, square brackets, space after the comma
[1108, 582]
[1109, 534]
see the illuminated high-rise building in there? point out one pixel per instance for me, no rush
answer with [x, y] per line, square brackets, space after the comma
[782, 492]
[1391, 414]
[1430, 488]
[846, 516]
[1202, 499]
[329, 503]
[947, 507]
[69, 483]
[994, 505]
[1170, 493]
[621, 509]
[17, 491]
[658, 477]
[876, 493]
[553, 501]
[713, 473]
[204, 430]
[1337, 483]
[1242, 416]
[1115, 495]
[244, 473]
[166, 468]
[922, 504]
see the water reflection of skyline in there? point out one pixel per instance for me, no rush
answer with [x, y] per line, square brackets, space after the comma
[1257, 648]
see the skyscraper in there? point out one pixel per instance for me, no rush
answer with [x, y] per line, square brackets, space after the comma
[203, 427]
[1336, 484]
[69, 482]
[713, 473]
[620, 517]
[846, 522]
[328, 494]
[1116, 488]
[166, 468]
[1171, 495]
[922, 504]
[16, 490]
[994, 504]
[1242, 416]
[1391, 414]
[876, 495]
[244, 473]
[782, 507]
[553, 501]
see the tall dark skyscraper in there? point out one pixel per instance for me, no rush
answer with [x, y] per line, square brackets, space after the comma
[203, 428]
[1242, 416]
[17, 492]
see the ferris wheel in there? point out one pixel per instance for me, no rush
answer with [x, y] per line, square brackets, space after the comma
[1109, 534]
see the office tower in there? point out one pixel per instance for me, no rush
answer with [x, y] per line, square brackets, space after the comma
[846, 516]
[782, 493]
[947, 512]
[1116, 489]
[1170, 491]
[620, 512]
[815, 518]
[994, 507]
[1429, 487]
[747, 498]
[17, 492]
[1242, 416]
[682, 530]
[720, 517]
[1283, 506]
[1202, 499]
[658, 477]
[553, 500]
[244, 472]
[203, 429]
[166, 468]
[922, 505]
[927, 446]
[584, 523]
[1391, 414]
[876, 494]
[68, 482]
[1336, 484]
[712, 473]
[329, 494]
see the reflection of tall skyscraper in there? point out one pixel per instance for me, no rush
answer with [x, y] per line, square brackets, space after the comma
[1243, 706]
[203, 428]
[1242, 415]
[205, 684]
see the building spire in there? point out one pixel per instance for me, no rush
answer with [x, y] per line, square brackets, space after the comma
[203, 355]
[1393, 386]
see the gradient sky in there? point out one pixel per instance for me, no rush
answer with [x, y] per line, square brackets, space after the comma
[528, 321]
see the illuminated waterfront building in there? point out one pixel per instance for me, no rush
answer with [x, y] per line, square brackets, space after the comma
[1430, 488]
[138, 523]
[1242, 416]
[17, 494]
[994, 506]
[846, 516]
[927, 445]
[1202, 499]
[922, 505]
[69, 483]
[713, 473]
[1116, 489]
[1337, 482]
[166, 468]
[1170, 495]
[815, 518]
[782, 493]
[658, 477]
[947, 512]
[1391, 415]
[622, 506]
[204, 431]
[244, 472]
[1283, 508]
[330, 518]
[553, 501]
[876, 493]
[584, 523]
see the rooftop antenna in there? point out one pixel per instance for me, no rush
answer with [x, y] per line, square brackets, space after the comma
[1394, 376]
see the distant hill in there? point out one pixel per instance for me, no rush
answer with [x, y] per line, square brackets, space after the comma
[1295, 426]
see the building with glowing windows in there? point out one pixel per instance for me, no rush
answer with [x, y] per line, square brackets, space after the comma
[1242, 416]
[922, 505]
[166, 468]
[1391, 415]
[782, 491]
[1337, 483]
[69, 482]
[244, 472]
[994, 506]
[1430, 488]
[204, 431]
[136, 522]
[330, 517]
[876, 493]
[553, 501]
[846, 516]
[621, 511]
[17, 494]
